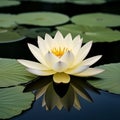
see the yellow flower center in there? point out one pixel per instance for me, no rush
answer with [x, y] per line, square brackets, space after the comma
[59, 51]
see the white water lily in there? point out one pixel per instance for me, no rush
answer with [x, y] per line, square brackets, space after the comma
[61, 57]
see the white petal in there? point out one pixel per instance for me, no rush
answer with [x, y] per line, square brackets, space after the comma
[47, 36]
[68, 58]
[90, 72]
[77, 42]
[61, 78]
[77, 39]
[33, 65]
[58, 37]
[41, 72]
[49, 41]
[51, 59]
[37, 54]
[40, 38]
[42, 46]
[90, 61]
[82, 53]
[68, 41]
[77, 69]
[59, 66]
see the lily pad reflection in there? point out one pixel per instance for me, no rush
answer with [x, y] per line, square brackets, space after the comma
[61, 95]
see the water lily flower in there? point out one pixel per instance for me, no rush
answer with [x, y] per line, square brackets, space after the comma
[61, 57]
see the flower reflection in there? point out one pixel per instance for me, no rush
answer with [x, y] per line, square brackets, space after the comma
[61, 95]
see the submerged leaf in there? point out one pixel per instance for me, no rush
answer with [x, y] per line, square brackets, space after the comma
[33, 32]
[13, 73]
[109, 80]
[13, 101]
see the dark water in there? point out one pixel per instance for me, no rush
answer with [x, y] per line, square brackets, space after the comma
[106, 106]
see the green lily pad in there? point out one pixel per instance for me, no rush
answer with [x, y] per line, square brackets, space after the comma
[5, 3]
[7, 36]
[13, 101]
[97, 34]
[109, 80]
[87, 1]
[7, 20]
[42, 18]
[13, 73]
[73, 1]
[97, 19]
[51, 1]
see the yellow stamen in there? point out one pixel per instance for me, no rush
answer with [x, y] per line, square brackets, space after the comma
[59, 51]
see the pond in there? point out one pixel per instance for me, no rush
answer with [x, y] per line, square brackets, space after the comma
[25, 96]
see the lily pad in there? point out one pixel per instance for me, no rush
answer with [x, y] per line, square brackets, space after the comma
[5, 3]
[51, 1]
[97, 19]
[13, 101]
[97, 34]
[13, 73]
[7, 36]
[42, 18]
[7, 20]
[87, 1]
[109, 80]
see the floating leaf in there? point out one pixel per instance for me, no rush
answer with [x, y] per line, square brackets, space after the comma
[13, 73]
[73, 1]
[42, 18]
[97, 19]
[9, 36]
[4, 3]
[13, 101]
[7, 20]
[87, 1]
[51, 1]
[97, 34]
[109, 80]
